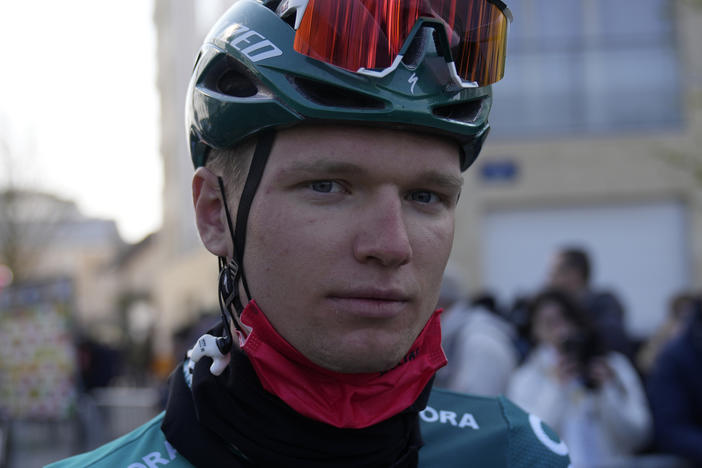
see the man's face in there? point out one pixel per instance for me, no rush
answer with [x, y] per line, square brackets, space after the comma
[347, 240]
[563, 276]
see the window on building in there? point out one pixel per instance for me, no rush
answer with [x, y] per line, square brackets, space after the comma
[588, 66]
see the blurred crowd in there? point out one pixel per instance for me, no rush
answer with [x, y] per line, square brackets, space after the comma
[564, 355]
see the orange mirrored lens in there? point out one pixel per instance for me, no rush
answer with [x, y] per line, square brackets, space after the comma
[481, 27]
[354, 34]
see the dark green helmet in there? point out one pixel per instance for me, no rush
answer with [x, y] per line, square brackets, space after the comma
[248, 77]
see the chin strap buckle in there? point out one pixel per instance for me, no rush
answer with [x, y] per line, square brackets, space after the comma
[212, 347]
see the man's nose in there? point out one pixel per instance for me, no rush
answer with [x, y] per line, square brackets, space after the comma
[382, 235]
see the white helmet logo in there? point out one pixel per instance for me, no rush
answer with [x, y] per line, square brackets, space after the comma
[252, 44]
[413, 81]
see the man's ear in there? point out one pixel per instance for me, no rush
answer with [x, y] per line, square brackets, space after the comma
[210, 218]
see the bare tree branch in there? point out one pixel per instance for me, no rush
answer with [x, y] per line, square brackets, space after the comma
[29, 220]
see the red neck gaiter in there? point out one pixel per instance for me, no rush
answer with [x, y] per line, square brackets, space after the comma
[342, 400]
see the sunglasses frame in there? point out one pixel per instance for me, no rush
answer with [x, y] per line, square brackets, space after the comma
[440, 29]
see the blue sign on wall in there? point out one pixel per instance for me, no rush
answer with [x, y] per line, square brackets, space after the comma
[499, 170]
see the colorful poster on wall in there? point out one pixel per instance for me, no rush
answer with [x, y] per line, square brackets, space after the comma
[38, 365]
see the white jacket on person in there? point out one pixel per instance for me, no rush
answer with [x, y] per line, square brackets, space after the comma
[597, 425]
[480, 352]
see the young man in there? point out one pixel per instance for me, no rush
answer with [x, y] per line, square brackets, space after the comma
[329, 140]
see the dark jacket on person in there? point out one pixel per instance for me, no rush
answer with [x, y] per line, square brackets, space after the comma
[675, 392]
[608, 317]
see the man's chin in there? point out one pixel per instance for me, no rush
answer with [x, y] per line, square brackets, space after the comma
[366, 361]
[359, 351]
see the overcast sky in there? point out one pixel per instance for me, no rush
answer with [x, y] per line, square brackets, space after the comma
[78, 106]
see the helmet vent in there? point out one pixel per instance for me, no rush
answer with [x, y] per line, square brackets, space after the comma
[334, 96]
[234, 83]
[417, 48]
[290, 20]
[226, 76]
[467, 111]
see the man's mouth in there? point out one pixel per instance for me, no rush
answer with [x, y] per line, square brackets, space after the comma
[370, 302]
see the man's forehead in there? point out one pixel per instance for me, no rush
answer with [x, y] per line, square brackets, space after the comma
[360, 134]
[342, 146]
[558, 260]
[562, 264]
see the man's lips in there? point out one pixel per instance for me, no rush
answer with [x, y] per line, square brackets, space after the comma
[370, 303]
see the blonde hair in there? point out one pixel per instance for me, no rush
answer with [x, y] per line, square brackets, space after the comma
[232, 164]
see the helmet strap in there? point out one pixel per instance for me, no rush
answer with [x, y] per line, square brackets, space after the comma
[253, 179]
[231, 271]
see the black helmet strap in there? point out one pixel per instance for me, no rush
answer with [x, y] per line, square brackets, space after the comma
[253, 179]
[231, 272]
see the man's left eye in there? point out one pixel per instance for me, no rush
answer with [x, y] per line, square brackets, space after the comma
[325, 186]
[423, 196]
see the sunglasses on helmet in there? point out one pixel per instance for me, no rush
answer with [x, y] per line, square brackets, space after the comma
[370, 36]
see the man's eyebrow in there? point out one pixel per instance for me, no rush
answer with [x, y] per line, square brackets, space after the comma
[429, 177]
[442, 179]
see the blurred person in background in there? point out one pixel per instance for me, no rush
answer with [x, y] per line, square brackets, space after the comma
[517, 314]
[679, 313]
[478, 343]
[326, 186]
[593, 397]
[675, 392]
[571, 271]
